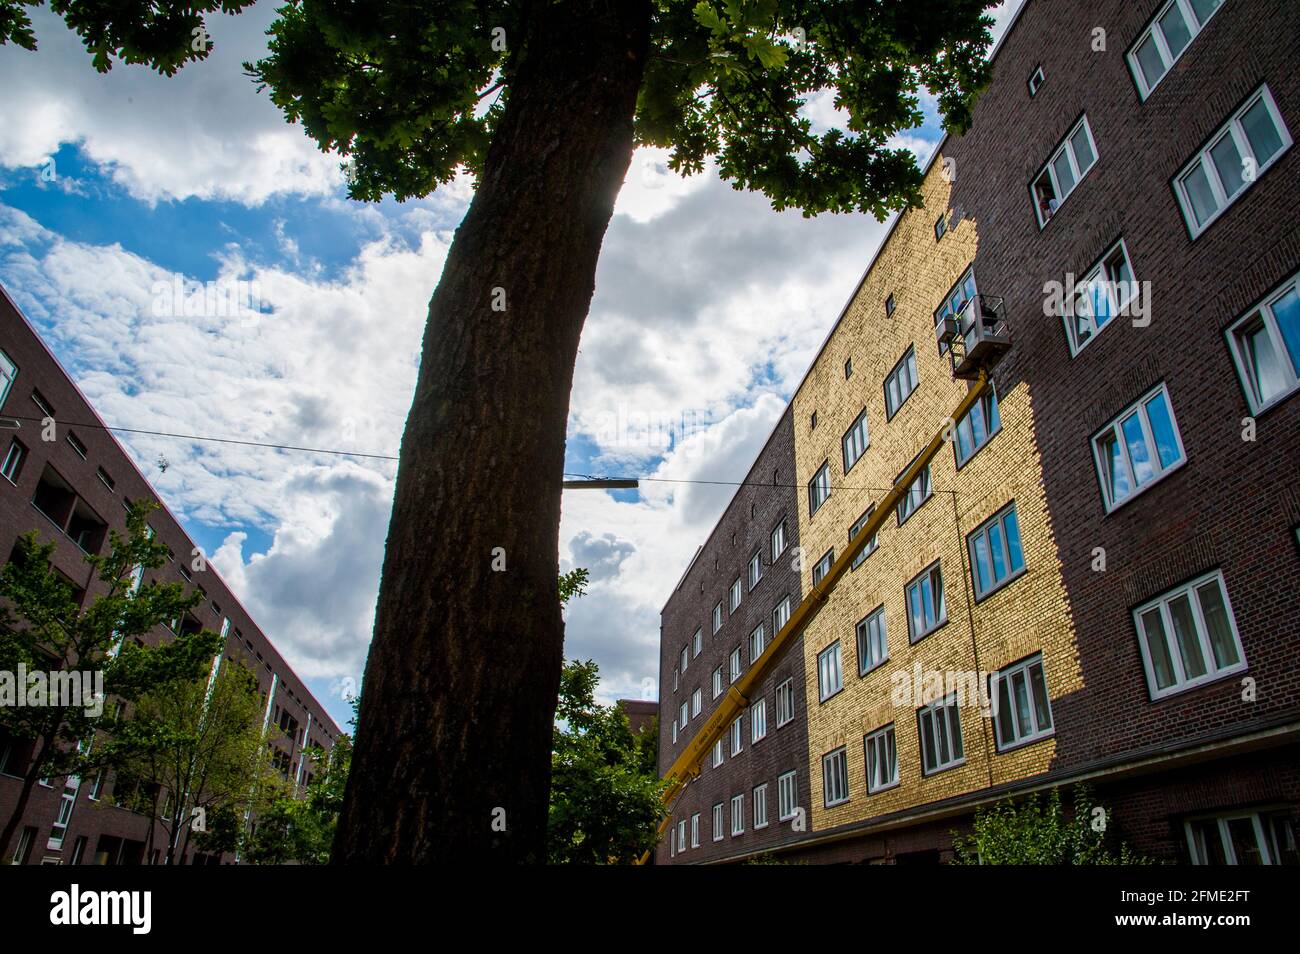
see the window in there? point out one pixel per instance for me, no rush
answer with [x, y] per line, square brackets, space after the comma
[717, 618]
[75, 443]
[45, 406]
[697, 642]
[890, 305]
[1035, 80]
[854, 530]
[940, 727]
[1238, 153]
[917, 494]
[848, 368]
[1188, 636]
[685, 658]
[1243, 838]
[882, 759]
[756, 644]
[780, 615]
[823, 566]
[738, 814]
[719, 684]
[760, 806]
[683, 715]
[676, 678]
[940, 227]
[873, 646]
[787, 796]
[1069, 164]
[1022, 711]
[735, 664]
[758, 721]
[835, 778]
[737, 736]
[855, 441]
[734, 596]
[819, 488]
[8, 373]
[900, 383]
[830, 679]
[1170, 33]
[717, 753]
[719, 825]
[1266, 347]
[13, 461]
[104, 479]
[785, 703]
[1137, 448]
[674, 732]
[778, 540]
[755, 569]
[812, 421]
[1105, 291]
[925, 608]
[697, 702]
[681, 835]
[955, 302]
[995, 554]
[975, 428]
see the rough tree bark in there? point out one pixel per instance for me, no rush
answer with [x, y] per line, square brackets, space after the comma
[452, 757]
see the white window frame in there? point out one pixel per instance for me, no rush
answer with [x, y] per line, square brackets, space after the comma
[785, 703]
[1113, 428]
[1264, 840]
[1264, 316]
[719, 754]
[737, 815]
[717, 618]
[951, 715]
[1232, 127]
[8, 375]
[1181, 682]
[1081, 326]
[681, 836]
[932, 575]
[880, 750]
[1035, 81]
[697, 642]
[683, 715]
[823, 566]
[755, 569]
[684, 658]
[830, 672]
[864, 636]
[835, 768]
[757, 643]
[787, 795]
[1003, 544]
[13, 461]
[781, 614]
[1063, 148]
[760, 806]
[719, 822]
[674, 732]
[855, 441]
[778, 537]
[736, 731]
[1013, 676]
[902, 373]
[695, 830]
[734, 596]
[1195, 25]
[758, 721]
[719, 682]
[735, 665]
[697, 702]
[819, 488]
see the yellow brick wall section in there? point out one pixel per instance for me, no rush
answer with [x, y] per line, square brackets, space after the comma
[1028, 615]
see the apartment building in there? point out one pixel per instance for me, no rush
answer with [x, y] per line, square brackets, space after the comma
[1099, 579]
[73, 490]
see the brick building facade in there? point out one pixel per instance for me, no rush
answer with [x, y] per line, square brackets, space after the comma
[72, 491]
[1113, 540]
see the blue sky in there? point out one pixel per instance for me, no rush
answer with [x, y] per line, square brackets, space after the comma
[708, 308]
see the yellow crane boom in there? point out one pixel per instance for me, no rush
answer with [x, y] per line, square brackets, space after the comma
[687, 766]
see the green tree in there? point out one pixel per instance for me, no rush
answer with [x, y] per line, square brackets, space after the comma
[605, 789]
[194, 752]
[543, 103]
[1038, 830]
[44, 628]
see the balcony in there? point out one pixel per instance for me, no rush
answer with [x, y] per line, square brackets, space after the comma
[976, 336]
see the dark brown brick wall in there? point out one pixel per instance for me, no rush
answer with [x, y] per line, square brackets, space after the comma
[750, 518]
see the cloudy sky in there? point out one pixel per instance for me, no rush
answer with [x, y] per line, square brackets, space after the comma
[708, 308]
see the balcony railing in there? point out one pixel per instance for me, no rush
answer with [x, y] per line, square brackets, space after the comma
[976, 336]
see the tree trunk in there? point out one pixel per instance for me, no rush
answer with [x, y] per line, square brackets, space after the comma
[452, 757]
